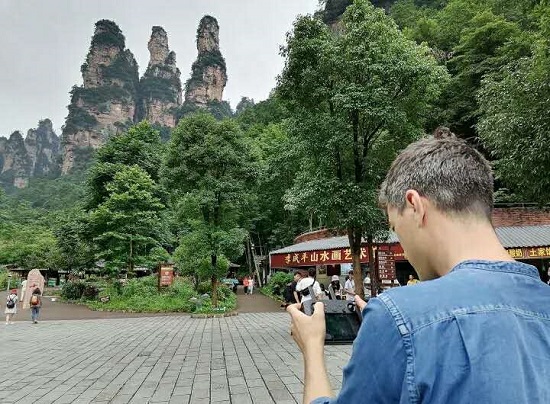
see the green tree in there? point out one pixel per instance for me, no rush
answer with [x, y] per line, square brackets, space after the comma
[243, 105]
[25, 238]
[473, 38]
[127, 223]
[207, 169]
[193, 253]
[72, 231]
[515, 123]
[272, 224]
[357, 97]
[141, 146]
[489, 44]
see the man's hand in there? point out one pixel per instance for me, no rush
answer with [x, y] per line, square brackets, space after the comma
[308, 331]
[360, 303]
[309, 334]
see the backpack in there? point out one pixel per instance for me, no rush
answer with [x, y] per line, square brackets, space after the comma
[10, 304]
[35, 301]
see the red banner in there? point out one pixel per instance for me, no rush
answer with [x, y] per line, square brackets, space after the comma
[318, 257]
[329, 256]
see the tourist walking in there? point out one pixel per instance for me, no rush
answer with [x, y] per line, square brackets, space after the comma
[11, 306]
[251, 285]
[245, 285]
[36, 304]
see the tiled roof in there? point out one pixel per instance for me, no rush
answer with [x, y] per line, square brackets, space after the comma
[524, 236]
[326, 244]
[312, 245]
[517, 236]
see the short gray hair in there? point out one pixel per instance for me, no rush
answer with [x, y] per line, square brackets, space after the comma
[454, 176]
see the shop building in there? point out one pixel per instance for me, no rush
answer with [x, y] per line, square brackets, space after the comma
[523, 231]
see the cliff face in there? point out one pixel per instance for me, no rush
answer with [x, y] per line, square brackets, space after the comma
[112, 98]
[42, 145]
[36, 155]
[208, 77]
[160, 86]
[333, 12]
[106, 103]
[16, 164]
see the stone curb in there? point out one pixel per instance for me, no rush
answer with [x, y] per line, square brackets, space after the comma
[214, 315]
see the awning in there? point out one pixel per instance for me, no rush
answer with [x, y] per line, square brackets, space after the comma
[522, 242]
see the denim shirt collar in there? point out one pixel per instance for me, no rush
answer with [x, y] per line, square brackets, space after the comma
[514, 267]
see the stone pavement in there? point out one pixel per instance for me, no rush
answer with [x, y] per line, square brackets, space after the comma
[249, 358]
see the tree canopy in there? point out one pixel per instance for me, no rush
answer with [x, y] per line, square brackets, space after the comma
[207, 169]
[356, 97]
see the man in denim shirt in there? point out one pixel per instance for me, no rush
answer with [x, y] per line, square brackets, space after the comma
[476, 331]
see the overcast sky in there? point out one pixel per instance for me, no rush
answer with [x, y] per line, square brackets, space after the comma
[44, 42]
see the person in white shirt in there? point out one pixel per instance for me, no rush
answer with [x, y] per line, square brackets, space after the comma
[367, 284]
[23, 291]
[251, 284]
[349, 287]
[303, 284]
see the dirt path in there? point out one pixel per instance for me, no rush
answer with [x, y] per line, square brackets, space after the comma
[256, 303]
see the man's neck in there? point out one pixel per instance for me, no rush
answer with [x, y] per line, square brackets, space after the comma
[467, 240]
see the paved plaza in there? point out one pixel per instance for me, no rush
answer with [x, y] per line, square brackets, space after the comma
[249, 358]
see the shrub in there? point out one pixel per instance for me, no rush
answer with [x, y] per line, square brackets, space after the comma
[90, 292]
[3, 279]
[227, 301]
[142, 295]
[204, 287]
[143, 287]
[73, 290]
[278, 282]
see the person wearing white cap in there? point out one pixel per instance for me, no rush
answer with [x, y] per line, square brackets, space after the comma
[336, 286]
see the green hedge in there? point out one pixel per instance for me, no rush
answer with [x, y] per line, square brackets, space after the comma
[142, 295]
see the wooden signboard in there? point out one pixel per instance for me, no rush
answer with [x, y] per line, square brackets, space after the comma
[386, 264]
[166, 275]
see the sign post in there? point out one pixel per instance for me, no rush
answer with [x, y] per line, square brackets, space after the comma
[166, 275]
[385, 267]
[386, 264]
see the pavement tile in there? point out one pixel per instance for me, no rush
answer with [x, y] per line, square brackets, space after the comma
[249, 358]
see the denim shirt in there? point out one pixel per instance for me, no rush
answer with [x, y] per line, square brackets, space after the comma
[480, 334]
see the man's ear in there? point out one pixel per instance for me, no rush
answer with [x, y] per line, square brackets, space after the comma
[417, 205]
